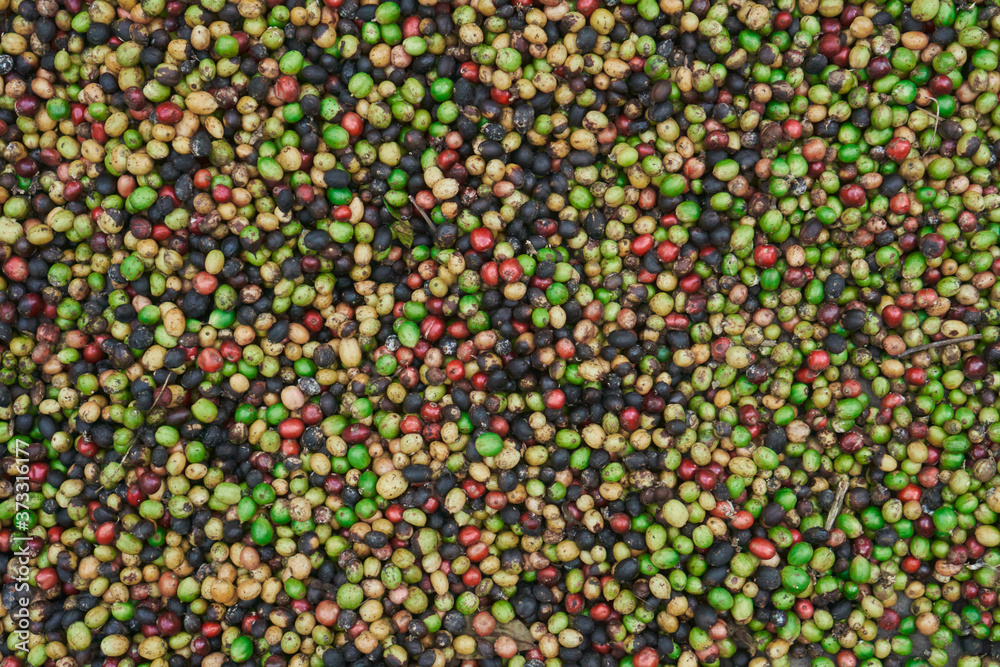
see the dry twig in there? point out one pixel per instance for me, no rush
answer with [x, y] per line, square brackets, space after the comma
[423, 215]
[107, 473]
[936, 117]
[940, 343]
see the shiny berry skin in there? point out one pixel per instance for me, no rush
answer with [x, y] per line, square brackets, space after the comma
[481, 239]
[765, 256]
[898, 149]
[852, 195]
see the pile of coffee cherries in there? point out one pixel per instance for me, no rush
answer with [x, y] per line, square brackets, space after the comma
[509, 333]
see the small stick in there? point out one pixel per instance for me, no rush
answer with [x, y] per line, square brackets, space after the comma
[940, 343]
[837, 502]
[162, 389]
[422, 214]
[135, 436]
[937, 117]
